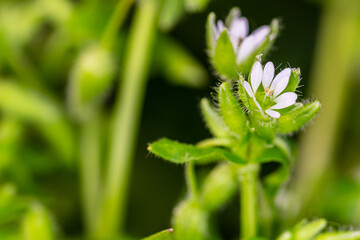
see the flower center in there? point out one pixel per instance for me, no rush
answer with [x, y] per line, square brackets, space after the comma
[269, 92]
[239, 42]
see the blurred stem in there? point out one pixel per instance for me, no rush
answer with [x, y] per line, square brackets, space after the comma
[191, 180]
[126, 118]
[116, 20]
[331, 70]
[248, 177]
[90, 170]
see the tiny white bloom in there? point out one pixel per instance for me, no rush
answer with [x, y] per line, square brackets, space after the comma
[273, 87]
[238, 31]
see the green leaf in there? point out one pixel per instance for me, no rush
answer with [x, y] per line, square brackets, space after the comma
[181, 153]
[223, 178]
[178, 65]
[224, 59]
[310, 230]
[163, 235]
[170, 14]
[298, 117]
[355, 235]
[213, 120]
[231, 111]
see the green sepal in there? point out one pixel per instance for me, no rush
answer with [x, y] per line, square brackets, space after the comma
[232, 112]
[224, 59]
[163, 235]
[213, 120]
[234, 13]
[298, 117]
[309, 230]
[245, 66]
[222, 178]
[170, 13]
[294, 80]
[263, 127]
[210, 35]
[355, 235]
[244, 97]
[176, 152]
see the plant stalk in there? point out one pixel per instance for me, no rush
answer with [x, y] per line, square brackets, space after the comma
[191, 180]
[126, 119]
[248, 178]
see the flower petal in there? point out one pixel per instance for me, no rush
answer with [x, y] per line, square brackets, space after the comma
[268, 74]
[272, 113]
[286, 96]
[248, 88]
[280, 81]
[260, 34]
[285, 100]
[239, 28]
[246, 47]
[256, 75]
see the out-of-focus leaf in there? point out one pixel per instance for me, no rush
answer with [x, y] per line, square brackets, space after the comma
[170, 14]
[224, 59]
[210, 35]
[10, 132]
[181, 153]
[11, 207]
[213, 120]
[163, 235]
[231, 111]
[37, 224]
[178, 65]
[355, 235]
[59, 11]
[196, 5]
[310, 230]
[222, 179]
[298, 117]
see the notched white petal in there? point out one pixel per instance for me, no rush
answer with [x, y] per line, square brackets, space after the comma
[246, 47]
[248, 88]
[256, 75]
[272, 113]
[260, 34]
[268, 74]
[286, 96]
[280, 81]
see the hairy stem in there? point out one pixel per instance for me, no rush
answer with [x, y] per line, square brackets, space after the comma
[248, 200]
[126, 118]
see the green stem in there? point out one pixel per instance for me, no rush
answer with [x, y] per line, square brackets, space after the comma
[248, 200]
[126, 118]
[90, 170]
[191, 180]
[117, 19]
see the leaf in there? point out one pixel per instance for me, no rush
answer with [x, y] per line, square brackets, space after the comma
[178, 65]
[231, 111]
[176, 152]
[213, 120]
[310, 230]
[163, 235]
[170, 13]
[355, 235]
[298, 117]
[224, 59]
[223, 178]
[210, 35]
[196, 5]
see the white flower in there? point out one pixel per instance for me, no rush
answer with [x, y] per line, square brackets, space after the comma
[238, 31]
[273, 87]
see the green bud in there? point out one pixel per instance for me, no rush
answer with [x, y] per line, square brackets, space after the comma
[231, 111]
[213, 120]
[90, 79]
[218, 187]
[298, 117]
[190, 221]
[37, 224]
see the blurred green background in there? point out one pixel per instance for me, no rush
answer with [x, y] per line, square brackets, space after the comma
[39, 132]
